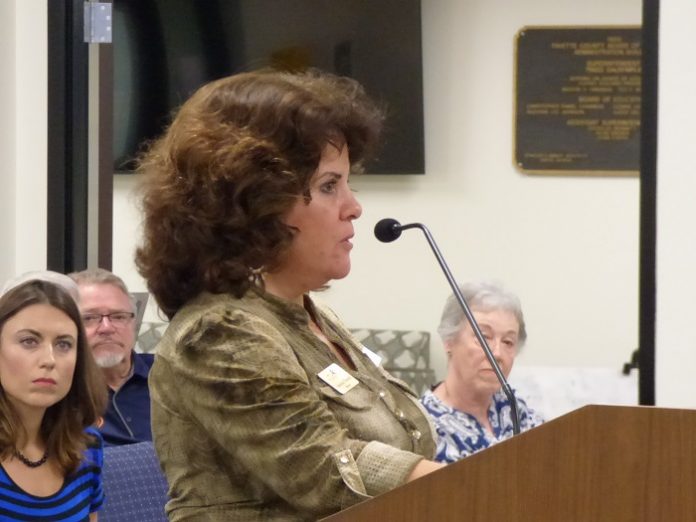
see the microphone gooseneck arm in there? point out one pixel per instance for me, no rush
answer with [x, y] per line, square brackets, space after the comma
[397, 228]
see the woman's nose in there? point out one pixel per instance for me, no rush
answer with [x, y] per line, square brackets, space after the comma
[48, 359]
[495, 346]
[353, 206]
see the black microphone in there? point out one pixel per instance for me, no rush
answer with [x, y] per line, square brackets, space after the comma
[388, 230]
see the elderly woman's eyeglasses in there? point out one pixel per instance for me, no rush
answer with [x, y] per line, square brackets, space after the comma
[115, 318]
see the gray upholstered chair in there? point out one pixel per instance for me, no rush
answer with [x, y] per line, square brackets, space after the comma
[405, 354]
[134, 487]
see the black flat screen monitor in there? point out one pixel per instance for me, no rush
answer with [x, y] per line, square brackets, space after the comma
[165, 49]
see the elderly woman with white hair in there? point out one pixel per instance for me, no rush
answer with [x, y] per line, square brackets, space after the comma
[469, 409]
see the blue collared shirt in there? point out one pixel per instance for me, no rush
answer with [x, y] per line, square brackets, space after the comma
[127, 418]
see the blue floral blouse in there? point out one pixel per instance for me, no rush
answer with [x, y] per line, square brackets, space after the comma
[460, 434]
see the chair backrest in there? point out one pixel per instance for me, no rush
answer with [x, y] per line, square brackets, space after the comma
[405, 354]
[135, 488]
[149, 335]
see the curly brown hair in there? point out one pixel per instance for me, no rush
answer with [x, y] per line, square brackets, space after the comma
[63, 425]
[230, 166]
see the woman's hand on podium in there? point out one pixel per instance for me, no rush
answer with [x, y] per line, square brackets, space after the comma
[423, 468]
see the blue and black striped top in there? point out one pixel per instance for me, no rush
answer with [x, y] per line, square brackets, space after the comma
[80, 495]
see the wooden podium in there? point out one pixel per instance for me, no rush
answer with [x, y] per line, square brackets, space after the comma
[598, 463]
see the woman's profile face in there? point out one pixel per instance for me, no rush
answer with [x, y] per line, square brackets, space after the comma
[38, 352]
[500, 329]
[320, 249]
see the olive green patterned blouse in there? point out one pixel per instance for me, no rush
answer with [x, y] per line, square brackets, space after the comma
[245, 430]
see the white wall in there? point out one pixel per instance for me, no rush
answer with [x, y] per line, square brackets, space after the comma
[32, 132]
[23, 131]
[676, 176]
[7, 138]
[567, 245]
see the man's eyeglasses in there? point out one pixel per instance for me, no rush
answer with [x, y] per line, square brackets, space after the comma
[115, 318]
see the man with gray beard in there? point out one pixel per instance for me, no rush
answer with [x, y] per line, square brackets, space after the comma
[108, 313]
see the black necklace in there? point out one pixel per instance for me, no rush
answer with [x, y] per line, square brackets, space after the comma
[30, 463]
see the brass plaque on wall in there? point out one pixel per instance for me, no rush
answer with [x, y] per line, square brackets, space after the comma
[577, 100]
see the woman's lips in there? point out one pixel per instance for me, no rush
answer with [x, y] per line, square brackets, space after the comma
[44, 382]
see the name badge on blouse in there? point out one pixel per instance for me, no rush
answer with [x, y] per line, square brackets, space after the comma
[376, 359]
[339, 379]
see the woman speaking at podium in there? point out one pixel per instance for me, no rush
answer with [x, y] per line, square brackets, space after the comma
[263, 405]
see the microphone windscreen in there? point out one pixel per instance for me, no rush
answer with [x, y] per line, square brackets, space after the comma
[387, 230]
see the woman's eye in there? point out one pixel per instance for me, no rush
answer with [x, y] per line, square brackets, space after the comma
[64, 345]
[329, 187]
[28, 342]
